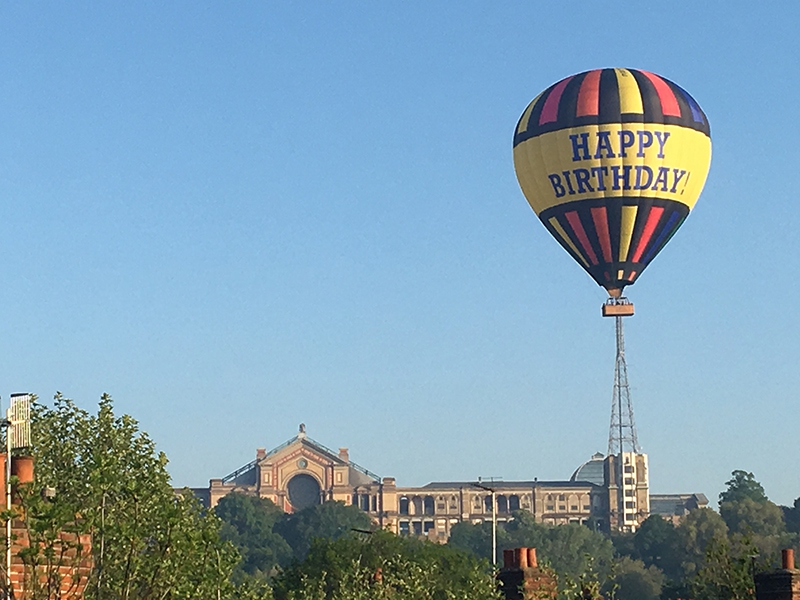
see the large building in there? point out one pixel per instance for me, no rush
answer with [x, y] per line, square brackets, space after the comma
[302, 472]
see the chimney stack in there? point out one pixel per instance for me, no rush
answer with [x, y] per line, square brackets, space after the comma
[781, 584]
[522, 579]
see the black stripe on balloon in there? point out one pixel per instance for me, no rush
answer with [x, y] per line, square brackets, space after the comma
[650, 100]
[609, 97]
[591, 233]
[669, 227]
[561, 219]
[687, 114]
[613, 208]
[533, 128]
[614, 211]
[569, 102]
[644, 206]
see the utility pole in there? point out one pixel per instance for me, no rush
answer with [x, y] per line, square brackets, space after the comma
[494, 517]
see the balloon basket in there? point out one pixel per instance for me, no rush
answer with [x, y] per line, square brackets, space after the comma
[618, 307]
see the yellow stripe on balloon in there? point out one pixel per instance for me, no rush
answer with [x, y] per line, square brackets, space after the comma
[626, 230]
[557, 226]
[630, 98]
[526, 116]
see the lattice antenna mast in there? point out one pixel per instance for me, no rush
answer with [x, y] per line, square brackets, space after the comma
[622, 431]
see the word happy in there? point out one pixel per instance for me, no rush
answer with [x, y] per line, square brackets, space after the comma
[618, 144]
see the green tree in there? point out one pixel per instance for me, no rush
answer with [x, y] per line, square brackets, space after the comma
[112, 489]
[657, 543]
[742, 485]
[477, 538]
[571, 550]
[248, 523]
[791, 516]
[330, 520]
[748, 516]
[748, 512]
[382, 566]
[632, 580]
[727, 571]
[695, 532]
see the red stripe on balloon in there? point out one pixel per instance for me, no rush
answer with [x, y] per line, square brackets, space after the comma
[600, 219]
[669, 103]
[649, 229]
[589, 95]
[575, 222]
[550, 108]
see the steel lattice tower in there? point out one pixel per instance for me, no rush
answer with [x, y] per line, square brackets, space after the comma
[622, 431]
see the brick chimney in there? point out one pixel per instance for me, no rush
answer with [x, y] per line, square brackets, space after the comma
[72, 568]
[522, 579]
[782, 584]
[344, 455]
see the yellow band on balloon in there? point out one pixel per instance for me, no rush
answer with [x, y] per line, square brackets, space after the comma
[634, 160]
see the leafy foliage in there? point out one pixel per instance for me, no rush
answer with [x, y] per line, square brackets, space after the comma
[330, 520]
[113, 491]
[248, 523]
[571, 550]
[633, 580]
[742, 485]
[727, 572]
[382, 565]
[267, 538]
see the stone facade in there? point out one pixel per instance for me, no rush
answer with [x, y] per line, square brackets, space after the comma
[302, 472]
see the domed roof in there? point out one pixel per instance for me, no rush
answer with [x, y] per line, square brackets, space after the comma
[591, 471]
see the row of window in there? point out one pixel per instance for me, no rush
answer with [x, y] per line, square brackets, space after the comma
[563, 507]
[366, 502]
[426, 506]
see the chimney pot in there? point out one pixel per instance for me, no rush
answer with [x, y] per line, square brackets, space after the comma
[532, 562]
[521, 557]
[508, 559]
[788, 558]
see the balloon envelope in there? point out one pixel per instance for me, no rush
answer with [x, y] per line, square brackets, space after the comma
[612, 161]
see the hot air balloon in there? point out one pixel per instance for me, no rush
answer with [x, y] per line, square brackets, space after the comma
[612, 161]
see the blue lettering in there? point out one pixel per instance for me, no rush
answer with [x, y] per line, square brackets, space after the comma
[576, 146]
[642, 144]
[604, 143]
[582, 179]
[569, 182]
[678, 173]
[661, 142]
[625, 178]
[661, 178]
[640, 185]
[625, 141]
[555, 180]
[599, 172]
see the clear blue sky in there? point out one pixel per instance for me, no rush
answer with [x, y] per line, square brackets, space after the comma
[236, 217]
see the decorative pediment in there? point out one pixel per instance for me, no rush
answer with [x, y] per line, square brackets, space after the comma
[302, 449]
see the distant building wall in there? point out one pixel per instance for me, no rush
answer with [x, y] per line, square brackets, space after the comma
[301, 472]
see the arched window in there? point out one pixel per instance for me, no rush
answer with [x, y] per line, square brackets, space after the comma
[487, 504]
[404, 507]
[416, 503]
[502, 504]
[428, 505]
[513, 503]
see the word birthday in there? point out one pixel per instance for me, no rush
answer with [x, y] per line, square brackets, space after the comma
[618, 144]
